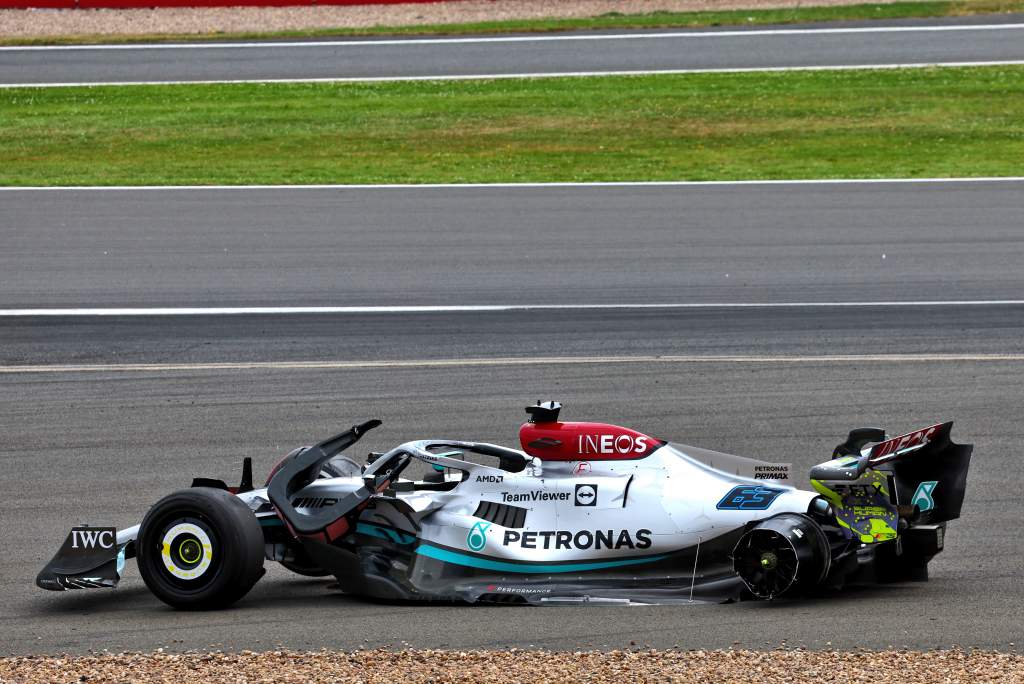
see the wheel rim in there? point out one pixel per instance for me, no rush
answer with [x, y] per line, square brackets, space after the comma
[188, 551]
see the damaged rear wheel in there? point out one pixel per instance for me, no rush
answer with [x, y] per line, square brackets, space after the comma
[200, 548]
[781, 554]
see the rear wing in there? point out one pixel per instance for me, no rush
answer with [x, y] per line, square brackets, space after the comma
[929, 469]
[920, 475]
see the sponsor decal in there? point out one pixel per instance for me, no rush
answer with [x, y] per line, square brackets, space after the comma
[505, 589]
[748, 498]
[581, 540]
[582, 468]
[314, 502]
[923, 495]
[611, 444]
[586, 495]
[509, 497]
[476, 540]
[93, 538]
[585, 442]
[912, 439]
[497, 479]
[774, 471]
[865, 491]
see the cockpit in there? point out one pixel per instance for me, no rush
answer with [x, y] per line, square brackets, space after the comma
[448, 463]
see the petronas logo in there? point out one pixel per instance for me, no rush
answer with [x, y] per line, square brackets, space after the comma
[923, 496]
[477, 537]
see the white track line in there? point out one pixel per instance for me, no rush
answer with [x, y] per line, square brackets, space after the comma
[513, 361]
[592, 184]
[476, 308]
[575, 37]
[531, 75]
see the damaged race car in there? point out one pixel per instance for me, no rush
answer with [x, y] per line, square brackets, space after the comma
[584, 512]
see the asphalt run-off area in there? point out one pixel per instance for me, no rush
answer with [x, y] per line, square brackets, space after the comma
[149, 335]
[792, 314]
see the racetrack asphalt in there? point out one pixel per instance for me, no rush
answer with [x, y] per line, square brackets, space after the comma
[791, 242]
[919, 41]
[100, 447]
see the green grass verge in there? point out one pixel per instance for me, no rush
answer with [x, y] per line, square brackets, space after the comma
[825, 124]
[897, 10]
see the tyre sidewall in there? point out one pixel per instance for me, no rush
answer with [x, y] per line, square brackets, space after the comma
[237, 554]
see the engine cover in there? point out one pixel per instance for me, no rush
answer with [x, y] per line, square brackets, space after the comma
[554, 441]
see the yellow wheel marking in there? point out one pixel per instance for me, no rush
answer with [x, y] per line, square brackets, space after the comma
[190, 550]
[203, 541]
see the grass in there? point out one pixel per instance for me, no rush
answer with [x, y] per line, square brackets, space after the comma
[824, 124]
[896, 10]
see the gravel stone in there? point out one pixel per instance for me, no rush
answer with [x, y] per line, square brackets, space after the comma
[206, 20]
[435, 666]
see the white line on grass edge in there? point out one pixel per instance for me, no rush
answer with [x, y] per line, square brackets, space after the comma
[372, 42]
[554, 184]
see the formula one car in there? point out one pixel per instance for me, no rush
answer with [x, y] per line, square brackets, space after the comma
[585, 512]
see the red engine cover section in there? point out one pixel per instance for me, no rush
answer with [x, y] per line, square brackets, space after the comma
[585, 442]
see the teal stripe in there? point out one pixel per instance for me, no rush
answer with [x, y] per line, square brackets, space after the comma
[391, 535]
[270, 522]
[456, 558]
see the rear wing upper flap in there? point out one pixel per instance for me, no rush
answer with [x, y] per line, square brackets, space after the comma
[933, 438]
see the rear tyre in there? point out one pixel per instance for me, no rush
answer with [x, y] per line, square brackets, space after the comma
[200, 549]
[783, 553]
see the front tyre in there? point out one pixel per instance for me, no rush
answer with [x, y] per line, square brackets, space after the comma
[200, 548]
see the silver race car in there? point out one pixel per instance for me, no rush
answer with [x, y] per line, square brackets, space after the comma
[584, 512]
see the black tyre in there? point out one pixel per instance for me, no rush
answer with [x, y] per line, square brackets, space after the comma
[200, 548]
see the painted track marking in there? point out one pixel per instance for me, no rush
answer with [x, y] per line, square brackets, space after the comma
[553, 184]
[746, 33]
[507, 362]
[474, 308]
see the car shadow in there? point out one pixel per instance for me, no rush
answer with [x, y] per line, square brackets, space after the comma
[137, 597]
[848, 594]
[301, 592]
